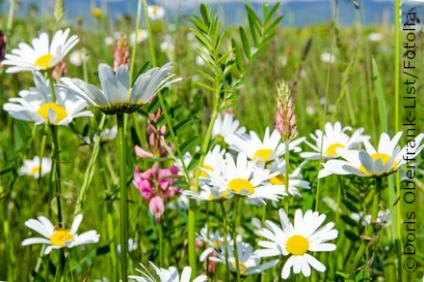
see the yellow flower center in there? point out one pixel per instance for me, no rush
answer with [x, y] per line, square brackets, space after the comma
[36, 170]
[331, 150]
[60, 111]
[44, 61]
[297, 245]
[60, 236]
[155, 10]
[241, 186]
[262, 155]
[242, 267]
[377, 156]
[203, 173]
[278, 180]
[97, 12]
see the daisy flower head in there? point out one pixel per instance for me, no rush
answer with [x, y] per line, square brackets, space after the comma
[156, 12]
[212, 158]
[243, 178]
[371, 162]
[36, 167]
[213, 240]
[296, 240]
[225, 126]
[334, 138]
[115, 95]
[38, 105]
[265, 150]
[57, 238]
[43, 54]
[295, 178]
[208, 193]
[249, 263]
[165, 275]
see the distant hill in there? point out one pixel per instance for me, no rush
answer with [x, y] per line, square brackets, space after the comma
[297, 12]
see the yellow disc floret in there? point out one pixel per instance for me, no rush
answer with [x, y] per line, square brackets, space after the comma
[60, 111]
[241, 186]
[61, 236]
[44, 61]
[262, 155]
[297, 245]
[331, 150]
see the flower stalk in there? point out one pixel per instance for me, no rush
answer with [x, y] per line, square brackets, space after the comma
[123, 196]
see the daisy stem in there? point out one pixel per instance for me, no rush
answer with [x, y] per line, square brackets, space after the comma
[237, 203]
[42, 149]
[56, 179]
[224, 219]
[89, 173]
[287, 162]
[123, 196]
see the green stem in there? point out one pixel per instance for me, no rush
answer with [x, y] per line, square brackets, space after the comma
[10, 16]
[89, 173]
[160, 233]
[134, 46]
[56, 181]
[123, 196]
[234, 234]
[149, 31]
[287, 176]
[224, 219]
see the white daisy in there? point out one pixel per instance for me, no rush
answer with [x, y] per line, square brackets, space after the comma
[116, 96]
[57, 238]
[214, 242]
[35, 166]
[37, 104]
[249, 263]
[212, 158]
[295, 178]
[371, 162]
[165, 275]
[42, 55]
[375, 37]
[327, 57]
[265, 150]
[156, 12]
[106, 135]
[208, 193]
[78, 57]
[333, 139]
[141, 35]
[226, 125]
[244, 178]
[297, 240]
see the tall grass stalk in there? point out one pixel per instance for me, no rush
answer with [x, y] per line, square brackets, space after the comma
[123, 196]
[397, 66]
[89, 173]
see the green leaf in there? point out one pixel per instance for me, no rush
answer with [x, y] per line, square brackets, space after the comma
[245, 42]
